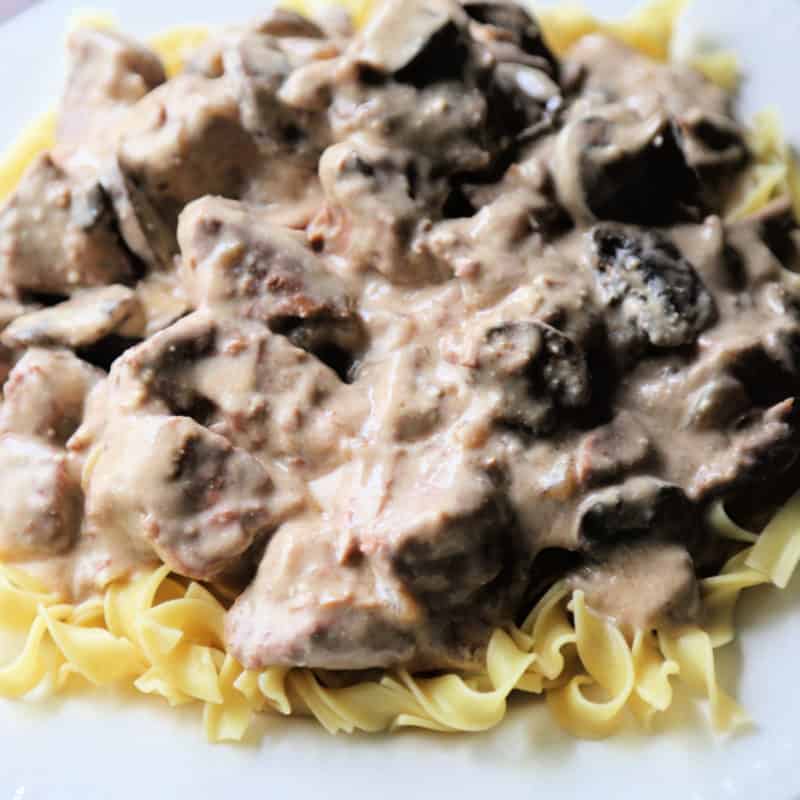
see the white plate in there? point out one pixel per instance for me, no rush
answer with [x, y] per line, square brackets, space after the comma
[137, 749]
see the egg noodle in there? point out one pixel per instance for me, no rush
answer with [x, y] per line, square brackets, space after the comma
[164, 636]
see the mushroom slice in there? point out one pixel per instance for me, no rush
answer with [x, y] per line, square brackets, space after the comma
[80, 321]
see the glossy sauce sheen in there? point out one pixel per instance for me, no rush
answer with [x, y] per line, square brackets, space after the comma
[399, 328]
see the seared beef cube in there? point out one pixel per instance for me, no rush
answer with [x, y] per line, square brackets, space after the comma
[108, 73]
[538, 370]
[85, 319]
[639, 508]
[257, 69]
[235, 259]
[255, 64]
[374, 207]
[316, 603]
[40, 514]
[45, 394]
[186, 139]
[241, 381]
[169, 484]
[613, 163]
[232, 255]
[417, 575]
[612, 450]
[763, 445]
[432, 133]
[658, 297]
[642, 587]
[57, 234]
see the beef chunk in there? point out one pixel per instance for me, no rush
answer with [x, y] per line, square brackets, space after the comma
[610, 451]
[375, 196]
[235, 259]
[612, 163]
[169, 484]
[41, 510]
[538, 371]
[185, 140]
[759, 448]
[455, 542]
[108, 73]
[658, 297]
[241, 381]
[255, 67]
[57, 234]
[45, 394]
[340, 613]
[255, 64]
[427, 567]
[85, 319]
[231, 254]
[639, 508]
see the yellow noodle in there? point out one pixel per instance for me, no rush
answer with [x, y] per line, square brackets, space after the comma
[777, 551]
[174, 45]
[652, 689]
[773, 174]
[607, 659]
[649, 29]
[725, 527]
[720, 67]
[691, 648]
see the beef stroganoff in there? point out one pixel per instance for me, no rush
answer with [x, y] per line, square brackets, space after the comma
[331, 353]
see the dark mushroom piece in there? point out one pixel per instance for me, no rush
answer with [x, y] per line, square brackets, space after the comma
[639, 508]
[655, 295]
[84, 319]
[711, 141]
[613, 163]
[510, 25]
[409, 39]
[538, 370]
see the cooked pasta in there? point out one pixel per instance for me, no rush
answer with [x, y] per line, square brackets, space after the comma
[165, 637]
